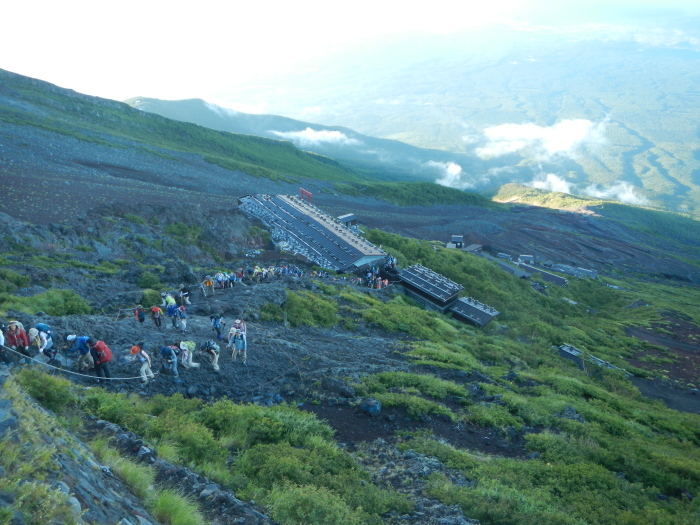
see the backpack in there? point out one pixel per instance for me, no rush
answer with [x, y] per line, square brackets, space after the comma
[104, 354]
[43, 327]
[211, 345]
[156, 312]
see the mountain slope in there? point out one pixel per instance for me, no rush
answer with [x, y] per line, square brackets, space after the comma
[39, 105]
[381, 158]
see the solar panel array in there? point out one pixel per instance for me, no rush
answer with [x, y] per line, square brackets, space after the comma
[323, 240]
[474, 310]
[430, 282]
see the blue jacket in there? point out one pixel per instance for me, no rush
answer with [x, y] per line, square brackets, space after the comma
[168, 353]
[80, 345]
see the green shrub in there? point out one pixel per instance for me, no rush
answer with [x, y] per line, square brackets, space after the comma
[188, 233]
[118, 408]
[170, 507]
[398, 315]
[148, 280]
[271, 312]
[249, 425]
[53, 302]
[10, 280]
[51, 392]
[195, 441]
[428, 385]
[309, 505]
[151, 298]
[415, 406]
[493, 416]
[135, 219]
[306, 308]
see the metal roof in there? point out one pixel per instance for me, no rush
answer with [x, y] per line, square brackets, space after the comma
[474, 310]
[431, 283]
[326, 239]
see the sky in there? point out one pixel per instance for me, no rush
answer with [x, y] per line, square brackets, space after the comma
[170, 51]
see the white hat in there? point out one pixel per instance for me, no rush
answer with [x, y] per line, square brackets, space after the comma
[70, 337]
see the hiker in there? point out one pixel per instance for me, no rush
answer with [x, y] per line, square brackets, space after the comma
[184, 295]
[188, 348]
[169, 356]
[140, 314]
[80, 345]
[5, 358]
[239, 346]
[181, 315]
[216, 323]
[212, 349]
[238, 324]
[208, 285]
[168, 300]
[42, 338]
[138, 352]
[17, 339]
[172, 311]
[101, 355]
[157, 316]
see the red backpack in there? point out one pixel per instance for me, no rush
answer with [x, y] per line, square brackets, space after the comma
[103, 352]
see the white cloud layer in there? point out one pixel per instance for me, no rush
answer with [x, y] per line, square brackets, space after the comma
[311, 137]
[542, 143]
[451, 175]
[620, 191]
[551, 182]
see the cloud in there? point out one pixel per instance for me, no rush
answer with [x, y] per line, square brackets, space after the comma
[621, 191]
[226, 112]
[551, 182]
[471, 139]
[542, 143]
[451, 176]
[311, 137]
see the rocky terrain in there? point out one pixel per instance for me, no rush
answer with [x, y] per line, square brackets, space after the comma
[108, 219]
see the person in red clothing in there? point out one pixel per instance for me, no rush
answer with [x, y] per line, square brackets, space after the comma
[16, 338]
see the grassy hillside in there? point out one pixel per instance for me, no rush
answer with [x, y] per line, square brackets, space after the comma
[597, 451]
[28, 102]
[664, 224]
[413, 193]
[586, 447]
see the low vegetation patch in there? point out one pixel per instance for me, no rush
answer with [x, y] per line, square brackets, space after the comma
[53, 302]
[414, 194]
[278, 450]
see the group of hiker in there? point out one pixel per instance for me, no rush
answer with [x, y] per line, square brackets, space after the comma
[95, 354]
[184, 352]
[223, 279]
[14, 337]
[92, 353]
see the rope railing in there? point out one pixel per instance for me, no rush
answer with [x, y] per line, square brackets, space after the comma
[71, 372]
